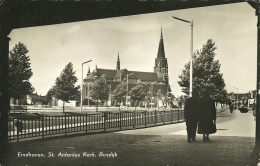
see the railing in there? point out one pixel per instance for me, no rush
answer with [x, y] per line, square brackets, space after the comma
[18, 109]
[43, 125]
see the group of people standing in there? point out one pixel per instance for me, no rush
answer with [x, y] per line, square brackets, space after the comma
[200, 113]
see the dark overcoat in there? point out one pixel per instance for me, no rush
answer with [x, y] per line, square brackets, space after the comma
[207, 115]
[192, 108]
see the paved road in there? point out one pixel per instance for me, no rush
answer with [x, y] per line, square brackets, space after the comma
[163, 145]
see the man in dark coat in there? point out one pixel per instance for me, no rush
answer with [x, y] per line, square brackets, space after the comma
[207, 116]
[231, 108]
[191, 114]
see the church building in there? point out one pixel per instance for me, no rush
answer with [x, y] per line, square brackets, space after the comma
[156, 80]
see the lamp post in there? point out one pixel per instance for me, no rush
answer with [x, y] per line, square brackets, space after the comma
[237, 96]
[191, 50]
[82, 84]
[126, 99]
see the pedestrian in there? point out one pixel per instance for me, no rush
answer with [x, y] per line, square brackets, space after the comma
[231, 108]
[207, 119]
[191, 114]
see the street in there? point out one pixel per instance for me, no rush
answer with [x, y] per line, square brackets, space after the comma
[162, 145]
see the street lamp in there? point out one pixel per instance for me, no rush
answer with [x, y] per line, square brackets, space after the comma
[126, 99]
[237, 96]
[82, 84]
[191, 50]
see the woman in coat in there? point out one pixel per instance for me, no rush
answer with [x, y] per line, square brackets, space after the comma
[207, 116]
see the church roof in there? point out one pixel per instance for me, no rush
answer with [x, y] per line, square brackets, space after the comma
[99, 72]
[123, 72]
[161, 53]
[90, 77]
[145, 76]
[111, 74]
[108, 72]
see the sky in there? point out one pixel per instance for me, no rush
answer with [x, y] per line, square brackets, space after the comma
[136, 39]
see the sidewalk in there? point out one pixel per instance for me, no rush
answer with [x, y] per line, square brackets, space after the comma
[163, 145]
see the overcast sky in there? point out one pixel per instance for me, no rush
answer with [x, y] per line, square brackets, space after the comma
[136, 38]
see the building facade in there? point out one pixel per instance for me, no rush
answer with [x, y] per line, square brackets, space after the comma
[154, 81]
[247, 99]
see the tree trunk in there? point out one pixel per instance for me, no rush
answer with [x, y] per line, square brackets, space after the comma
[63, 106]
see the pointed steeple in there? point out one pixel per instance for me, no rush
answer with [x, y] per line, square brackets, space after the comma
[95, 73]
[161, 34]
[118, 63]
[88, 71]
[161, 53]
[161, 64]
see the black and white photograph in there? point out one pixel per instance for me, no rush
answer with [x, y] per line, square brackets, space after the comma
[129, 83]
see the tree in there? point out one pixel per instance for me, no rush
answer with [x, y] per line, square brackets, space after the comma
[169, 98]
[20, 72]
[151, 96]
[137, 93]
[49, 95]
[182, 100]
[206, 71]
[64, 88]
[221, 97]
[119, 93]
[100, 90]
[158, 93]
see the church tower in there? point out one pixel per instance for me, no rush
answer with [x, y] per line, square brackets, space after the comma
[161, 64]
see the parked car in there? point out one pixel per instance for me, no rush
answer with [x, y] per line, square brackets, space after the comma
[242, 109]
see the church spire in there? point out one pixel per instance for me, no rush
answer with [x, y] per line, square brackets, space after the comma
[118, 63]
[95, 73]
[161, 64]
[161, 34]
[161, 53]
[88, 71]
